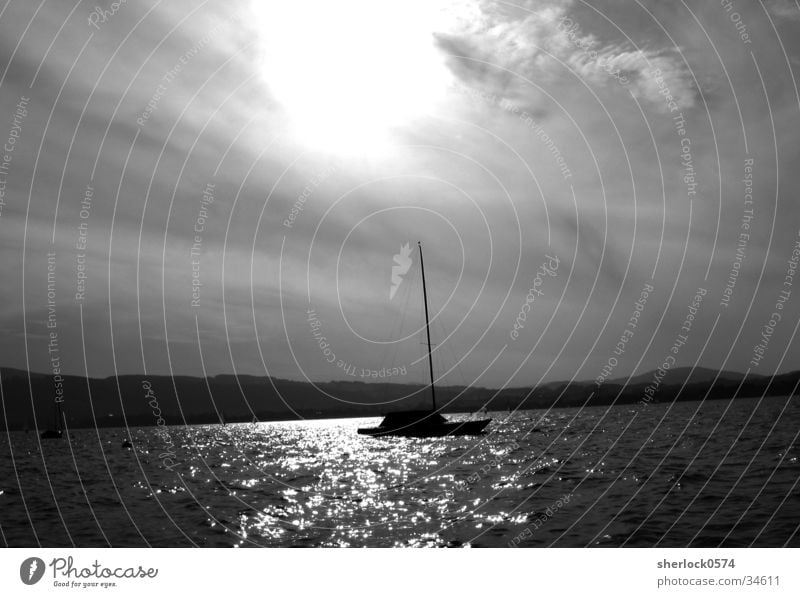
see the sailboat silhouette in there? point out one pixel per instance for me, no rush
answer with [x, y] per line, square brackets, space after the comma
[424, 423]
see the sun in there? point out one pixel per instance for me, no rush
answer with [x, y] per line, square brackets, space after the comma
[349, 72]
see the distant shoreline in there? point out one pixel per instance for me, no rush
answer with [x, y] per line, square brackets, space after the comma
[123, 401]
[378, 416]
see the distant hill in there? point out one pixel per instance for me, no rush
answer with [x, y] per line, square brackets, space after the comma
[681, 375]
[138, 400]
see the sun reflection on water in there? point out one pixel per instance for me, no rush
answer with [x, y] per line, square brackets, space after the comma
[321, 484]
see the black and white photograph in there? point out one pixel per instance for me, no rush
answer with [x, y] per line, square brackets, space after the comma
[432, 274]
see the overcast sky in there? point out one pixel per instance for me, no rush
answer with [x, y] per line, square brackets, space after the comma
[588, 150]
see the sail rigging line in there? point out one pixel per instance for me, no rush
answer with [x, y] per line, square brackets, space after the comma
[447, 367]
[445, 359]
[440, 356]
[427, 324]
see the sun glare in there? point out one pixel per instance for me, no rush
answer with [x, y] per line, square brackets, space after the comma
[349, 72]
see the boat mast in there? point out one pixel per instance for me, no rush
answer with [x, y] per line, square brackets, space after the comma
[427, 324]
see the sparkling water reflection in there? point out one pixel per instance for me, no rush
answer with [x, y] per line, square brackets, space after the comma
[720, 473]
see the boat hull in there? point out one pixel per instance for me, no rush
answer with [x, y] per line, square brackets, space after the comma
[447, 429]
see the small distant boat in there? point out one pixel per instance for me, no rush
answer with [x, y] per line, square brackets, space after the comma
[55, 432]
[424, 423]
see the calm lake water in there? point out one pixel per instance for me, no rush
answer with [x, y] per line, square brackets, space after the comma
[722, 473]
